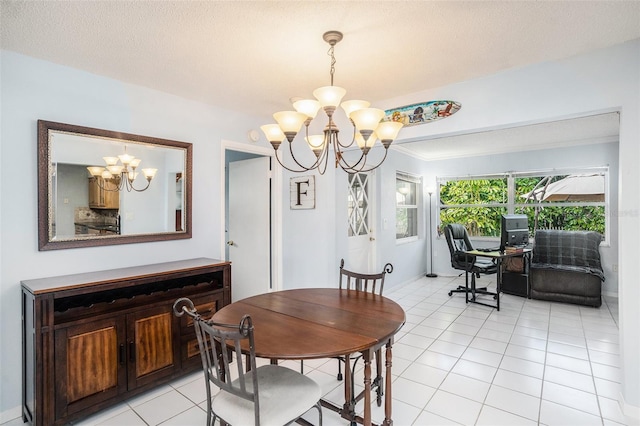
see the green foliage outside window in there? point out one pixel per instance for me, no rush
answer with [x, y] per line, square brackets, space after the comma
[479, 219]
[480, 203]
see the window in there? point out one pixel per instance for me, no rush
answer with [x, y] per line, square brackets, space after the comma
[358, 204]
[408, 190]
[569, 200]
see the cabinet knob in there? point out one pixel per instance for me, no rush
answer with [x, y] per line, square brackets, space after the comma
[230, 242]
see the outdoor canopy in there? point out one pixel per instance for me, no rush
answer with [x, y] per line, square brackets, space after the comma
[579, 187]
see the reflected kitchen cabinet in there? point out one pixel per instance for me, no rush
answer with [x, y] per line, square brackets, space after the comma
[103, 194]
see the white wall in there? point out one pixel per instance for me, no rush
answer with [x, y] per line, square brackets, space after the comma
[309, 235]
[32, 89]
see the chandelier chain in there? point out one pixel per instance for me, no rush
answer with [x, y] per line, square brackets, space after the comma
[332, 69]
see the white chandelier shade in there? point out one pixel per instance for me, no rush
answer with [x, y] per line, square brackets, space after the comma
[121, 176]
[350, 106]
[329, 96]
[368, 123]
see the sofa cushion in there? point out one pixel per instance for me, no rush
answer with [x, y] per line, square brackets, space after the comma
[565, 286]
[577, 251]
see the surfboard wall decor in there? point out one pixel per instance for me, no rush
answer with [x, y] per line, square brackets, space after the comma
[424, 112]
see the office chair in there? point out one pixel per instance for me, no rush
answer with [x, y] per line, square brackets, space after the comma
[458, 242]
[372, 283]
[268, 395]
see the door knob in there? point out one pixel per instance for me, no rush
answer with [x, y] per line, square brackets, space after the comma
[371, 239]
[230, 242]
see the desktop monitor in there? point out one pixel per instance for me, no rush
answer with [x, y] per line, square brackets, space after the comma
[514, 231]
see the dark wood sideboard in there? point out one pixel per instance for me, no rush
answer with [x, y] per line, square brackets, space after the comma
[95, 339]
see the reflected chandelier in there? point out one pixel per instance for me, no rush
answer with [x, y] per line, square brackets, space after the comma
[367, 126]
[121, 176]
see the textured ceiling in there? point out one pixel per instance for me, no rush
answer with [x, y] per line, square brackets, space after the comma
[255, 55]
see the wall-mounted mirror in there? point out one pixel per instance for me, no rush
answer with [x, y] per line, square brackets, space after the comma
[92, 193]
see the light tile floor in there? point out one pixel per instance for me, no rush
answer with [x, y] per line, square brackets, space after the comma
[533, 362]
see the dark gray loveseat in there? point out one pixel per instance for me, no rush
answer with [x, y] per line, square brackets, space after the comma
[566, 267]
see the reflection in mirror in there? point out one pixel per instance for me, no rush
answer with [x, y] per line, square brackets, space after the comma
[98, 187]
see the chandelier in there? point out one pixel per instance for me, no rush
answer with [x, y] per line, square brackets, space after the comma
[367, 123]
[121, 176]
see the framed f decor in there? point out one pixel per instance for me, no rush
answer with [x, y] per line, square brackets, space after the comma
[424, 112]
[302, 191]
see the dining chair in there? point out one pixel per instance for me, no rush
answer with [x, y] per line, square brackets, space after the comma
[372, 283]
[266, 395]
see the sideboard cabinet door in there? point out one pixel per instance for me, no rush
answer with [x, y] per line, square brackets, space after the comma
[151, 349]
[90, 364]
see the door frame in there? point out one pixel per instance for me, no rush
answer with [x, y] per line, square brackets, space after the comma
[276, 205]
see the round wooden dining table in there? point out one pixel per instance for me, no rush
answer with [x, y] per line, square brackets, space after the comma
[322, 323]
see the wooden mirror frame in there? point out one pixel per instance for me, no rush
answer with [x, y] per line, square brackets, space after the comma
[44, 191]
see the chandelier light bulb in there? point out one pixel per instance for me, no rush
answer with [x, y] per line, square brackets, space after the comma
[290, 122]
[329, 96]
[354, 105]
[366, 146]
[367, 120]
[308, 107]
[149, 173]
[115, 170]
[111, 161]
[95, 170]
[126, 159]
[387, 131]
[316, 143]
[273, 133]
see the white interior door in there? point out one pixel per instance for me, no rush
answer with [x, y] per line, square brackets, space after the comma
[249, 236]
[361, 210]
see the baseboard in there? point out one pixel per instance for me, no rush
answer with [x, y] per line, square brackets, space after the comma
[631, 411]
[11, 414]
[410, 280]
[610, 294]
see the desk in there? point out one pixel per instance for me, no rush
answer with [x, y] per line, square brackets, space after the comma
[323, 323]
[498, 256]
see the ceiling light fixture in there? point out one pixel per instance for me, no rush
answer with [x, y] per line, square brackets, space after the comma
[120, 176]
[368, 126]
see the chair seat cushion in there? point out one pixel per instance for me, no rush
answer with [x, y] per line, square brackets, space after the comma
[284, 395]
[485, 265]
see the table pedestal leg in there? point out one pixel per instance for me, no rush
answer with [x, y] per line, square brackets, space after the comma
[367, 386]
[349, 406]
[387, 396]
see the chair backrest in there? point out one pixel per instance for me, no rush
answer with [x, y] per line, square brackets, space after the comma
[458, 242]
[219, 344]
[373, 283]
